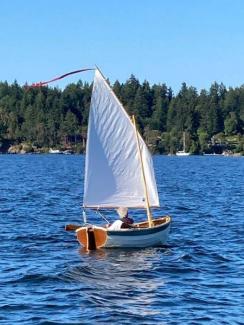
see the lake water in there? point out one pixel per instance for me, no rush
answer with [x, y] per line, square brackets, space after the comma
[45, 278]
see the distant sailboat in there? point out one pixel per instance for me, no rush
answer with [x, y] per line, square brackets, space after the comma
[183, 152]
[118, 173]
[55, 151]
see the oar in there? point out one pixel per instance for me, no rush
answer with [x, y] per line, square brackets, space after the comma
[72, 227]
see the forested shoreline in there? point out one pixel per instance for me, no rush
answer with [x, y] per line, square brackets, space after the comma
[36, 119]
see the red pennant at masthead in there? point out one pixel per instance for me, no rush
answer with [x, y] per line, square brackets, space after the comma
[43, 83]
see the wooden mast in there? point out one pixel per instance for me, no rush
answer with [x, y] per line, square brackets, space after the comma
[149, 215]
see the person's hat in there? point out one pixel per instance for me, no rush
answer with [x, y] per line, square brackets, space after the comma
[122, 212]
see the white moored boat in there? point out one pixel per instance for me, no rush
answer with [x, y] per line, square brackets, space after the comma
[118, 173]
[183, 152]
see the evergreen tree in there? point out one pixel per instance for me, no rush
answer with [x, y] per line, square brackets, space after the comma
[231, 124]
[159, 108]
[128, 93]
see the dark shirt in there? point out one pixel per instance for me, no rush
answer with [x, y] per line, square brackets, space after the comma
[127, 222]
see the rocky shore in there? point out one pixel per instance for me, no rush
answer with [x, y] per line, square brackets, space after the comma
[24, 148]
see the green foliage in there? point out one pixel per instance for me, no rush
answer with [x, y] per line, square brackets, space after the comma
[50, 117]
[231, 124]
[202, 139]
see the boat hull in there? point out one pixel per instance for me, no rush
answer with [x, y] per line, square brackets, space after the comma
[139, 237]
[182, 153]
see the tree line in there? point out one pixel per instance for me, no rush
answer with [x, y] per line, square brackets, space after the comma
[213, 120]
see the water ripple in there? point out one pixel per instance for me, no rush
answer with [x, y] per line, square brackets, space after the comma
[46, 278]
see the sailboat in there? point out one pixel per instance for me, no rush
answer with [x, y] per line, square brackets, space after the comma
[118, 173]
[183, 152]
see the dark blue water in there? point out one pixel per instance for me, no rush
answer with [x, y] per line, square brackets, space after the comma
[45, 278]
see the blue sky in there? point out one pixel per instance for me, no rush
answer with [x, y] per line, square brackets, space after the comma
[196, 41]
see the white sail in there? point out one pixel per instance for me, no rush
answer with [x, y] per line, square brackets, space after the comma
[113, 175]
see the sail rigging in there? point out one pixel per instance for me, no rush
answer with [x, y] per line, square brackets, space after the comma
[112, 171]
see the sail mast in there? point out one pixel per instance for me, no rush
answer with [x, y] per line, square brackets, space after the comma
[184, 141]
[149, 216]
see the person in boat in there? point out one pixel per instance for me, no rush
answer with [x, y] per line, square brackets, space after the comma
[124, 222]
[124, 216]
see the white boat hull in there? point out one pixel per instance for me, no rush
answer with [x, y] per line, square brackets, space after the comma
[137, 241]
[182, 153]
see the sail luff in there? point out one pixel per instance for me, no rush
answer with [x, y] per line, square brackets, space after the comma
[87, 157]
